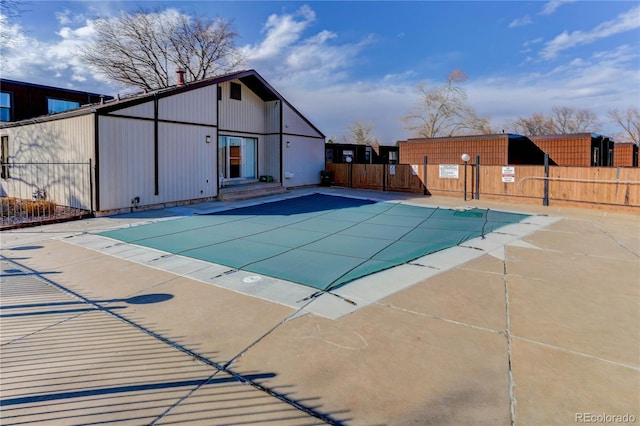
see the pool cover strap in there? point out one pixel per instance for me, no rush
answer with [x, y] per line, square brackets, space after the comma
[317, 240]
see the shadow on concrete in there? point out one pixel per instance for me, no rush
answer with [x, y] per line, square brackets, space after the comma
[90, 365]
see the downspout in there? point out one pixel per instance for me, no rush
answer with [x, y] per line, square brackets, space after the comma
[96, 169]
[218, 102]
[281, 141]
[156, 177]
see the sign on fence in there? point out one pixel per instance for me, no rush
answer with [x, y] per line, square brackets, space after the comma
[508, 174]
[448, 171]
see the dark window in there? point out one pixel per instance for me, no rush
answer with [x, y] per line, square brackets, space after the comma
[5, 106]
[4, 157]
[59, 105]
[329, 155]
[219, 93]
[236, 91]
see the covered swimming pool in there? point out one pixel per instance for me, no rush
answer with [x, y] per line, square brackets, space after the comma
[317, 240]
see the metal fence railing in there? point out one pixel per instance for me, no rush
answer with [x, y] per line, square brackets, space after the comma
[36, 193]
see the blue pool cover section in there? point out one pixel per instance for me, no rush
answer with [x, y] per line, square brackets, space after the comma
[321, 241]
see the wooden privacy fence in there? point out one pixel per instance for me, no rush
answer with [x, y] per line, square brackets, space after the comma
[594, 186]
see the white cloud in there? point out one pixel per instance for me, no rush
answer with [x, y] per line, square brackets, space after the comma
[30, 59]
[550, 7]
[63, 17]
[282, 31]
[599, 83]
[316, 78]
[316, 69]
[520, 22]
[334, 109]
[287, 54]
[534, 41]
[66, 17]
[624, 22]
[11, 34]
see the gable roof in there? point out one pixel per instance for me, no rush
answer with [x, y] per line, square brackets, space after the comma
[249, 78]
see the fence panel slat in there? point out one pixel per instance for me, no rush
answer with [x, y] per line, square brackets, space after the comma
[595, 186]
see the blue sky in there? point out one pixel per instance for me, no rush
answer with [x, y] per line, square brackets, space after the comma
[339, 61]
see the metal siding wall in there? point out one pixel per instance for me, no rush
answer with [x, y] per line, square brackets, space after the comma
[144, 110]
[295, 124]
[246, 115]
[126, 162]
[195, 106]
[304, 158]
[492, 150]
[566, 150]
[272, 116]
[187, 164]
[68, 140]
[623, 155]
[272, 156]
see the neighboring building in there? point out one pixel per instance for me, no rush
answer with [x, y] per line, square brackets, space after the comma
[388, 154]
[20, 100]
[626, 154]
[579, 149]
[171, 146]
[360, 154]
[498, 149]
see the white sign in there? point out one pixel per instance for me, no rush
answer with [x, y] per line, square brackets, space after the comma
[414, 169]
[508, 174]
[449, 171]
[392, 170]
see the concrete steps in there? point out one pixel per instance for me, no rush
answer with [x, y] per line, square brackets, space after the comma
[250, 190]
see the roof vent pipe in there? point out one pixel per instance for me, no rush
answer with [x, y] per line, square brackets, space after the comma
[180, 72]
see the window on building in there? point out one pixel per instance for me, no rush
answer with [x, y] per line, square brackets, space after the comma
[59, 105]
[219, 93]
[236, 91]
[393, 157]
[328, 155]
[5, 106]
[4, 157]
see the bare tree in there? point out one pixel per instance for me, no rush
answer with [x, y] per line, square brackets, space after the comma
[444, 111]
[629, 120]
[563, 120]
[142, 49]
[9, 10]
[568, 120]
[536, 125]
[361, 133]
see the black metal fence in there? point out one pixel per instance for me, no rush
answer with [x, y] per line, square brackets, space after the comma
[38, 193]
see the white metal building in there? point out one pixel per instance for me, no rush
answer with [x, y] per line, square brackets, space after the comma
[171, 146]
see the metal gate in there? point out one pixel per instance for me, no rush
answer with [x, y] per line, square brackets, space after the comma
[38, 193]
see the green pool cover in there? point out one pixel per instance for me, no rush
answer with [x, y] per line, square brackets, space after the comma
[318, 240]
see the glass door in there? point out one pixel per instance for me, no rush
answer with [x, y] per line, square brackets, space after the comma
[237, 158]
[249, 163]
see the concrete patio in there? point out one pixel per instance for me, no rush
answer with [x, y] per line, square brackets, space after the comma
[543, 330]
